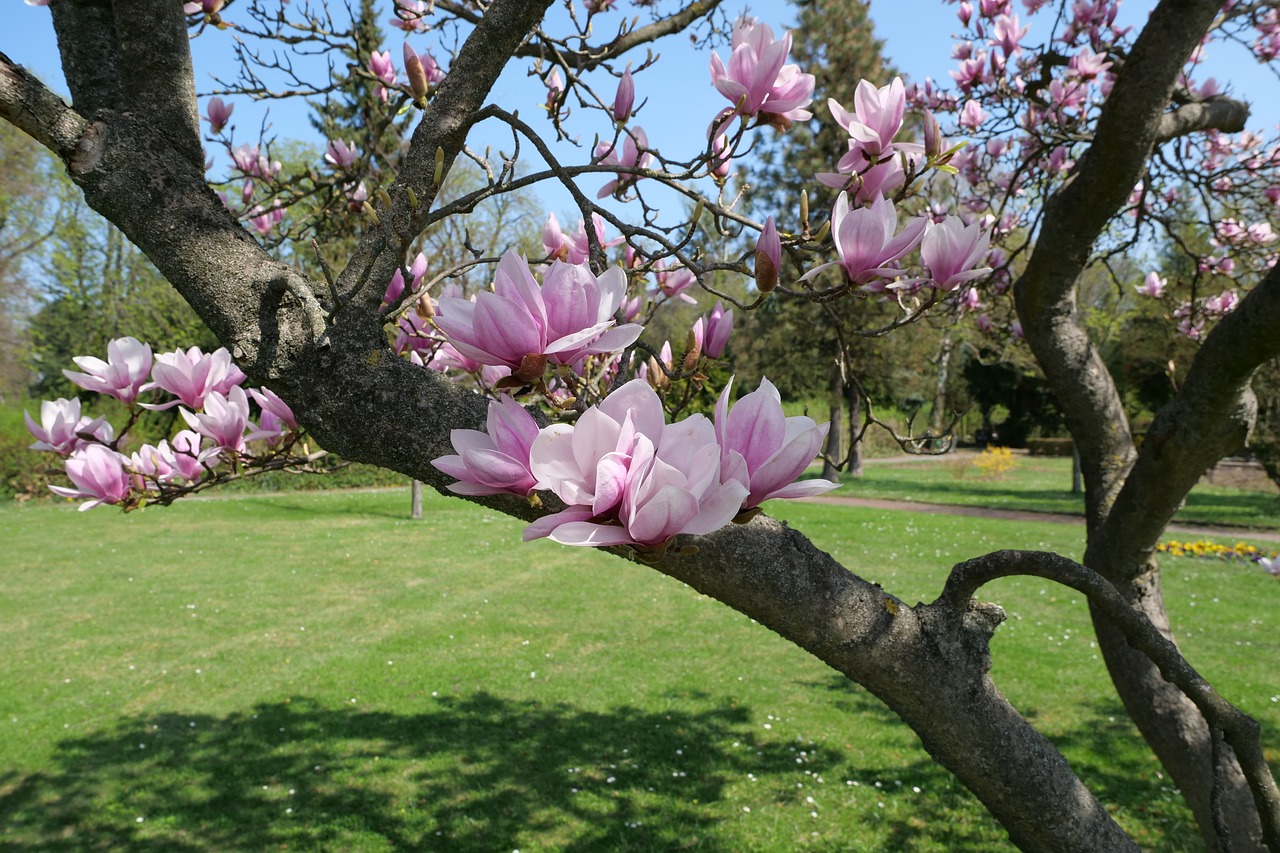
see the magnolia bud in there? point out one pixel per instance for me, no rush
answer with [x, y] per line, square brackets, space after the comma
[625, 98]
[768, 257]
[804, 210]
[932, 136]
[423, 307]
[692, 352]
[439, 174]
[657, 377]
[416, 73]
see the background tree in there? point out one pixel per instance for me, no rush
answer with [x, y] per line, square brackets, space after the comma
[27, 175]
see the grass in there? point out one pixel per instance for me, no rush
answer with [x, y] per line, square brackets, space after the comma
[316, 672]
[1043, 484]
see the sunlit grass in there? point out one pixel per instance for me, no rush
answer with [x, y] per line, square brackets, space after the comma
[1042, 484]
[318, 672]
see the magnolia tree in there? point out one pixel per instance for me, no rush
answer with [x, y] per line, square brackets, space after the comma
[541, 397]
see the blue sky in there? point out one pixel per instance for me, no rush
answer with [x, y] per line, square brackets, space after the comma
[917, 36]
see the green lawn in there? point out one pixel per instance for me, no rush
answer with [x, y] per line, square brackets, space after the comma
[317, 672]
[1042, 484]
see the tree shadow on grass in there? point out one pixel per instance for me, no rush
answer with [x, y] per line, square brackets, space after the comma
[1104, 749]
[479, 773]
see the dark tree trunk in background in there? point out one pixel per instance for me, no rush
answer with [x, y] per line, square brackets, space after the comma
[853, 398]
[835, 404]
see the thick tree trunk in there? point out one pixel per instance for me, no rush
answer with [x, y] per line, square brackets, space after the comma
[1177, 732]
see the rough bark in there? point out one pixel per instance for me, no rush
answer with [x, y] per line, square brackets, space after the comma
[1130, 496]
[130, 152]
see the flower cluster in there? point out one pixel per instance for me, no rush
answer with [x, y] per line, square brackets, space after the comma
[523, 325]
[629, 478]
[214, 407]
[1239, 552]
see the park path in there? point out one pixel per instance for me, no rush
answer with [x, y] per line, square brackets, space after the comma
[1025, 515]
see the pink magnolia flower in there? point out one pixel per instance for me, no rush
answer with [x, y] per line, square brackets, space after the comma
[1153, 285]
[673, 283]
[395, 288]
[875, 121]
[121, 376]
[757, 80]
[1223, 303]
[495, 461]
[972, 115]
[186, 458]
[721, 158]
[634, 154]
[865, 241]
[224, 419]
[61, 426]
[276, 413]
[411, 16]
[629, 478]
[624, 99]
[870, 183]
[567, 318]
[555, 88]
[381, 66]
[207, 8]
[755, 438]
[574, 248]
[718, 328]
[97, 473]
[1008, 33]
[341, 154]
[217, 114]
[182, 461]
[435, 74]
[190, 376]
[1191, 329]
[952, 250]
[1087, 65]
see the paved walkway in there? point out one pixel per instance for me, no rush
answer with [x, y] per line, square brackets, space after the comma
[1024, 515]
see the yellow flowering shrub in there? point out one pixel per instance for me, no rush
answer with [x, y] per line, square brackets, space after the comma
[995, 462]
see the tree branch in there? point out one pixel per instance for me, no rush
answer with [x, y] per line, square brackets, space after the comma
[1240, 730]
[156, 70]
[90, 50]
[29, 106]
[1224, 114]
[443, 127]
[1210, 417]
[588, 58]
